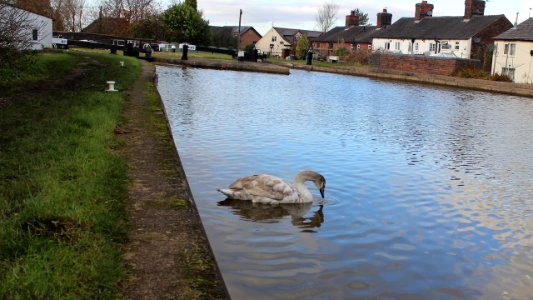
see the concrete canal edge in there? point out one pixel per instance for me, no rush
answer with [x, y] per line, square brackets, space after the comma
[221, 285]
[220, 64]
[168, 254]
[464, 83]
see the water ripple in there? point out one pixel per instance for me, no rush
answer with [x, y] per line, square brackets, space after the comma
[428, 189]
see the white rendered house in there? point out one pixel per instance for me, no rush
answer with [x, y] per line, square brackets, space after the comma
[33, 30]
[282, 41]
[454, 36]
[513, 53]
[273, 43]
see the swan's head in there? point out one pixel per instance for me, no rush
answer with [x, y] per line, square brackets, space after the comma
[317, 179]
[320, 184]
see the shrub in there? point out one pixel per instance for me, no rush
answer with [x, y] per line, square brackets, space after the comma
[302, 46]
[470, 72]
[249, 49]
[14, 63]
[501, 77]
[361, 57]
[341, 51]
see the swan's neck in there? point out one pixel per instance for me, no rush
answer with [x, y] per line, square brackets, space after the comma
[299, 185]
[303, 191]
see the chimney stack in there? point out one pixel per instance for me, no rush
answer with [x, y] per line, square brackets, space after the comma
[423, 10]
[352, 19]
[474, 8]
[384, 19]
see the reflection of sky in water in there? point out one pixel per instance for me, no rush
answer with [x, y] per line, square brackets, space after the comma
[428, 189]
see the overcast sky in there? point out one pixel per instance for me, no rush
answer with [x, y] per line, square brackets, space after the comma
[262, 14]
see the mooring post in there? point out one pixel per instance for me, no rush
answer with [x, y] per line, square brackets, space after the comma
[184, 53]
[309, 57]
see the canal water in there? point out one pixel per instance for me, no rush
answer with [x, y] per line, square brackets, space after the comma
[429, 190]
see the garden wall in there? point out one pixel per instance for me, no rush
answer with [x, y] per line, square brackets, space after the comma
[421, 64]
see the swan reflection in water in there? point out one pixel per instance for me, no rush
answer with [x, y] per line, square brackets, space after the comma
[263, 213]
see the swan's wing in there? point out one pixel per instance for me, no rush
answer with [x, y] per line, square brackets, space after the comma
[264, 185]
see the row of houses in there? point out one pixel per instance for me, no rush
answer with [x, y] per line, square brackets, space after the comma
[500, 47]
[470, 36]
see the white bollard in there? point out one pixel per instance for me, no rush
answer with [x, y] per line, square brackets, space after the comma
[111, 87]
[122, 64]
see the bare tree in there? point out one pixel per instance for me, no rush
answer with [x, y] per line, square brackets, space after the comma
[131, 10]
[56, 14]
[69, 15]
[327, 15]
[138, 9]
[113, 8]
[72, 12]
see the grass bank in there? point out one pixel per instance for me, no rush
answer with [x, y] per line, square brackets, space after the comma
[34, 70]
[62, 186]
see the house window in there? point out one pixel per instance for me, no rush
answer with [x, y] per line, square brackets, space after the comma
[509, 72]
[358, 47]
[509, 49]
[397, 46]
[35, 34]
[274, 38]
[330, 45]
[456, 45]
[387, 46]
[432, 47]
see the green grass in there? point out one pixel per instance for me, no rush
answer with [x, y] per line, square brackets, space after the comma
[36, 69]
[175, 55]
[62, 187]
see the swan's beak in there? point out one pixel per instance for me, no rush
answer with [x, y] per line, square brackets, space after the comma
[322, 192]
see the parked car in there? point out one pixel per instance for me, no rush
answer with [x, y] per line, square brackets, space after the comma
[59, 43]
[155, 46]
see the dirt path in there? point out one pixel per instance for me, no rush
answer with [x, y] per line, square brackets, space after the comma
[168, 255]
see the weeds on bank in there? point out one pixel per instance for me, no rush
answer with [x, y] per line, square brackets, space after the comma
[62, 190]
[480, 74]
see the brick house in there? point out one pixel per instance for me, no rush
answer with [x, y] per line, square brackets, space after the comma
[226, 36]
[352, 36]
[513, 53]
[470, 36]
[108, 25]
[282, 41]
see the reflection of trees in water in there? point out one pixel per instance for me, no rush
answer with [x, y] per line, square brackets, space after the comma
[263, 213]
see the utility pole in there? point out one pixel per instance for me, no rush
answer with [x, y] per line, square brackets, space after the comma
[239, 33]
[100, 16]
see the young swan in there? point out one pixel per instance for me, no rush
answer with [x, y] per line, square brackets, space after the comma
[269, 189]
